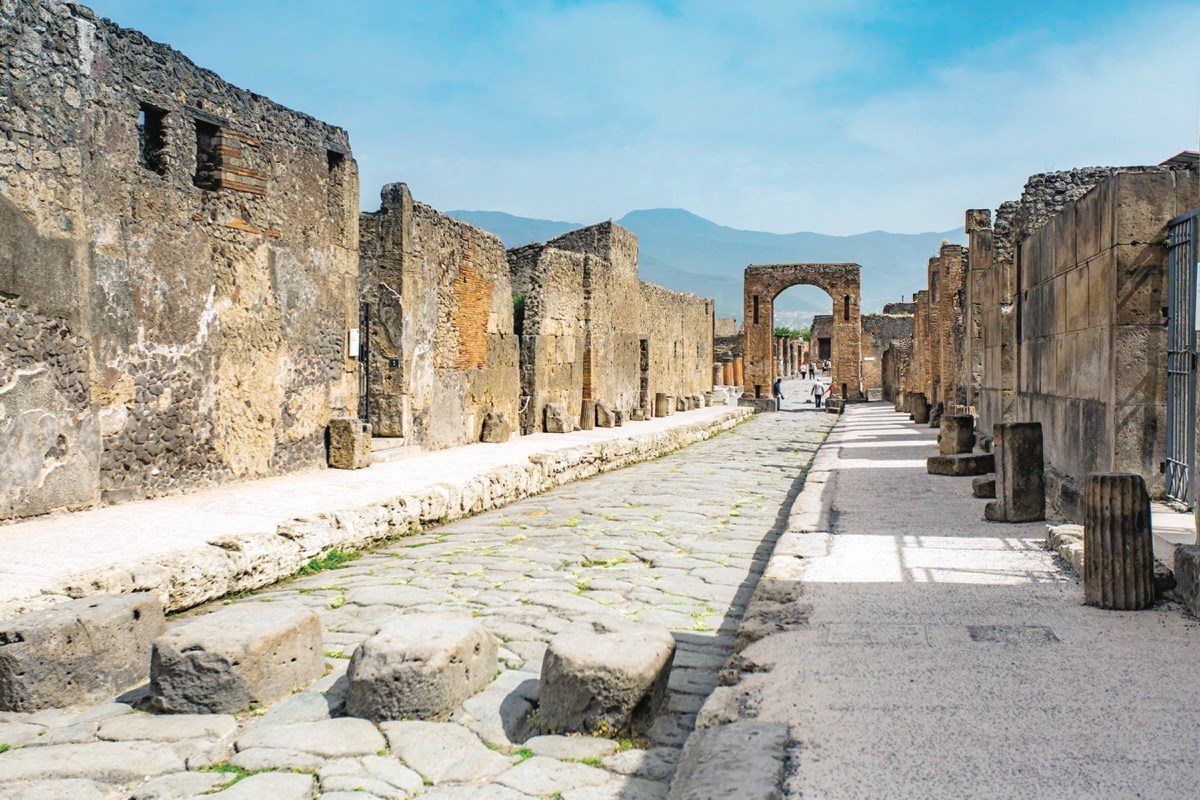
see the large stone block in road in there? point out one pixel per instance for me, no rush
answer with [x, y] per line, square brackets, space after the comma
[605, 675]
[419, 666]
[252, 653]
[743, 760]
[81, 651]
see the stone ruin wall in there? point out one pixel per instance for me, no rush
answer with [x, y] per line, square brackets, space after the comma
[897, 359]
[725, 327]
[586, 316]
[879, 331]
[443, 353]
[203, 284]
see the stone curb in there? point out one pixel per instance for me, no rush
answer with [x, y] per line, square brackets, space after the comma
[726, 720]
[241, 562]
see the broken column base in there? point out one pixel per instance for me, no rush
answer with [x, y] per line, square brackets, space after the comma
[759, 404]
[349, 444]
[961, 465]
[984, 487]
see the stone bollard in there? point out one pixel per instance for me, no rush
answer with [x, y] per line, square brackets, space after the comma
[1020, 488]
[1118, 552]
[920, 409]
[956, 434]
[349, 444]
[664, 405]
[935, 414]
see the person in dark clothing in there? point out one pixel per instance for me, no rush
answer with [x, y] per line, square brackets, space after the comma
[777, 390]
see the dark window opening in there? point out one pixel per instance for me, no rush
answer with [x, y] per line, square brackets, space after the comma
[334, 160]
[755, 309]
[208, 161]
[846, 308]
[152, 139]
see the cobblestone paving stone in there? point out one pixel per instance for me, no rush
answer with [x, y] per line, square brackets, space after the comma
[677, 542]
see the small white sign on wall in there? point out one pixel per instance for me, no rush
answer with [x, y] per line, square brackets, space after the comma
[869, 358]
[352, 343]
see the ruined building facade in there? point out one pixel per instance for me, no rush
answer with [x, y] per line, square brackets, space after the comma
[177, 267]
[184, 303]
[1059, 318]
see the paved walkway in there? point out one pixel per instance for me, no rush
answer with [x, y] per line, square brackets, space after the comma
[48, 551]
[677, 541]
[949, 657]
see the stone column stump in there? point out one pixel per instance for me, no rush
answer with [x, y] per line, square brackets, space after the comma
[920, 409]
[664, 405]
[1118, 553]
[1020, 488]
[956, 434]
[419, 666]
[587, 415]
[349, 444]
[605, 676]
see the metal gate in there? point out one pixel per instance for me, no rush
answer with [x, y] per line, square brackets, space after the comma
[1182, 239]
[364, 361]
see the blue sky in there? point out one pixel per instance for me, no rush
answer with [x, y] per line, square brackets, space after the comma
[837, 116]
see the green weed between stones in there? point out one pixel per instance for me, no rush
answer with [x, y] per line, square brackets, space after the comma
[331, 560]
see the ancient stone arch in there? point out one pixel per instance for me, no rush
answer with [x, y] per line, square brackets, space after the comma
[763, 283]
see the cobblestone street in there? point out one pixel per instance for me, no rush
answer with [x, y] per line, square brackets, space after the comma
[676, 542]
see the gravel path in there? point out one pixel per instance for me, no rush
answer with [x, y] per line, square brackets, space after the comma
[676, 542]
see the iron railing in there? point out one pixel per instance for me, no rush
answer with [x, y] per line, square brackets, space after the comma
[1182, 240]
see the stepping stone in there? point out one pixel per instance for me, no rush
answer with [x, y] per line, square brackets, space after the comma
[743, 760]
[110, 762]
[605, 675]
[235, 657]
[419, 666]
[81, 651]
[962, 464]
[333, 738]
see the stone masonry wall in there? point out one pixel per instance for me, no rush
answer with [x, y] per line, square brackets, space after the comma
[442, 351]
[594, 331]
[879, 330]
[198, 238]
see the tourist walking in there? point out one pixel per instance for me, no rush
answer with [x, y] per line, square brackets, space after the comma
[818, 391]
[777, 390]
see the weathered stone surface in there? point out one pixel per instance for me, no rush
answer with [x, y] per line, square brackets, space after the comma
[656, 764]
[540, 776]
[956, 434]
[443, 752]
[254, 759]
[76, 652]
[496, 429]
[180, 786]
[984, 486]
[1187, 577]
[587, 416]
[236, 656]
[1118, 552]
[574, 748]
[62, 789]
[664, 404]
[557, 419]
[419, 666]
[333, 738]
[604, 416]
[743, 760]
[920, 408]
[961, 465]
[109, 762]
[389, 776]
[273, 785]
[349, 444]
[1020, 473]
[935, 414]
[605, 675]
[167, 728]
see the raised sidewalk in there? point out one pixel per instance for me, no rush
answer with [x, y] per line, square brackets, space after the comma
[197, 547]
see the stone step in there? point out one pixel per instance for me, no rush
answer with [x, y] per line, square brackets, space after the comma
[379, 443]
[394, 453]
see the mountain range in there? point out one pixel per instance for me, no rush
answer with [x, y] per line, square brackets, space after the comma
[689, 253]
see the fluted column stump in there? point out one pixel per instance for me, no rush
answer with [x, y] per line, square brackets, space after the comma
[920, 409]
[1118, 552]
[956, 434]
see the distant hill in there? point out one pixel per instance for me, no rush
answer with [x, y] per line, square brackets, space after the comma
[686, 252]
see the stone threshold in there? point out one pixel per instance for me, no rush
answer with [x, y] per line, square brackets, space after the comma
[195, 548]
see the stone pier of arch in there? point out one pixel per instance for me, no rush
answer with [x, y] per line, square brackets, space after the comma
[763, 283]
